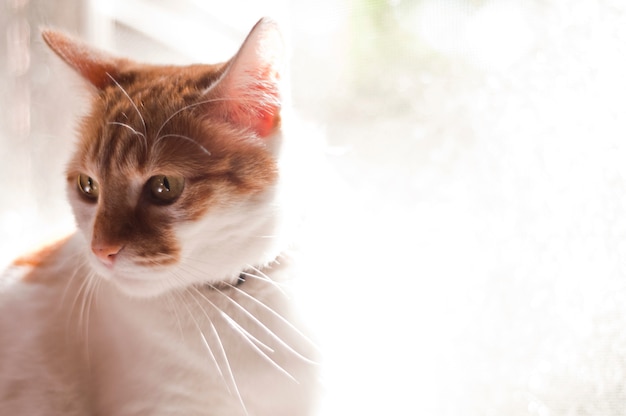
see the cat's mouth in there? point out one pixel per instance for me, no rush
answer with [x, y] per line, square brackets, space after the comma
[120, 259]
[141, 278]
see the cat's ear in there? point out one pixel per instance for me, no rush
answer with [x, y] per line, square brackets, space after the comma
[248, 92]
[92, 64]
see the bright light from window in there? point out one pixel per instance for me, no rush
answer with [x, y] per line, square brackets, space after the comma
[474, 246]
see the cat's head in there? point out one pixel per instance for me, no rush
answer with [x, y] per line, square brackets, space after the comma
[173, 181]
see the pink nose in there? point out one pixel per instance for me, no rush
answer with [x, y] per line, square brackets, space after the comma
[106, 253]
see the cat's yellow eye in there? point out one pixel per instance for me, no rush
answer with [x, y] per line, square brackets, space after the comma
[166, 189]
[88, 186]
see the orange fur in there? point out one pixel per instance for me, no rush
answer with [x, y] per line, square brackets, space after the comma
[138, 312]
[148, 120]
[39, 258]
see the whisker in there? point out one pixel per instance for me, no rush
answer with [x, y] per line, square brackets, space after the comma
[177, 112]
[179, 136]
[172, 303]
[81, 286]
[117, 123]
[219, 368]
[169, 298]
[233, 322]
[206, 344]
[223, 353]
[250, 339]
[266, 279]
[143, 122]
[205, 341]
[70, 281]
[230, 372]
[80, 295]
[276, 314]
[85, 314]
[189, 267]
[266, 329]
[187, 107]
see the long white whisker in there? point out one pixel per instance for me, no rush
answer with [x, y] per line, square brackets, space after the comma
[257, 343]
[174, 307]
[80, 295]
[203, 337]
[248, 337]
[70, 282]
[187, 107]
[180, 136]
[230, 372]
[267, 280]
[117, 123]
[86, 313]
[219, 368]
[224, 355]
[266, 329]
[187, 266]
[72, 306]
[277, 315]
[232, 322]
[267, 308]
[178, 112]
[259, 272]
[206, 344]
[251, 340]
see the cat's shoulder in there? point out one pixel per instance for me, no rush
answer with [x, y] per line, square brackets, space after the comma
[40, 265]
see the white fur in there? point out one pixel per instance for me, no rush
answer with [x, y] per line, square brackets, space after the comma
[80, 338]
[73, 343]
[86, 348]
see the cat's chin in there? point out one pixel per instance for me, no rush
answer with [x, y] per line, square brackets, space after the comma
[141, 288]
[139, 282]
[135, 281]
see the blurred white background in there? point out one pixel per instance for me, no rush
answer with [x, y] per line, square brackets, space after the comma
[474, 255]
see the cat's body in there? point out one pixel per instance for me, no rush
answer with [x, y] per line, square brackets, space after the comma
[71, 351]
[169, 298]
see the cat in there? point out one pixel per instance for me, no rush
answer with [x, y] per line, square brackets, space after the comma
[170, 298]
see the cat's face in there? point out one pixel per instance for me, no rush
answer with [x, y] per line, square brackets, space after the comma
[173, 179]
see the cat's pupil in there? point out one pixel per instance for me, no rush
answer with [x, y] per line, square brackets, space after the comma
[88, 187]
[165, 189]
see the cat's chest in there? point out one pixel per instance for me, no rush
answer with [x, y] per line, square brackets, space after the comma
[200, 351]
[136, 371]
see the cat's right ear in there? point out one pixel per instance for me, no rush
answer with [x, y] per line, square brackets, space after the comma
[95, 66]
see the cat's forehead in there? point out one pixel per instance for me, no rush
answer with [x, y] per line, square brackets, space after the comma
[149, 117]
[161, 121]
[147, 96]
[127, 152]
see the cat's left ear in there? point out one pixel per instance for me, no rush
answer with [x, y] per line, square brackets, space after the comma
[248, 93]
[95, 66]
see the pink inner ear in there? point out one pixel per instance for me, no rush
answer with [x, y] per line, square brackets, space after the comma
[250, 86]
[267, 122]
[257, 103]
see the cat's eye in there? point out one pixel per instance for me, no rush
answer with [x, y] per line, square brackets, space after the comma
[88, 187]
[165, 189]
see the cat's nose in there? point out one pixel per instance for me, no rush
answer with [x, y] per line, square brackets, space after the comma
[106, 253]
